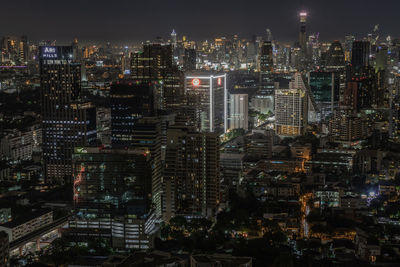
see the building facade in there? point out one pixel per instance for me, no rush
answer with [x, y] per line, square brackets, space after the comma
[207, 93]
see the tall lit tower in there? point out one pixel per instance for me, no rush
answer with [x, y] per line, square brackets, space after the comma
[302, 34]
[173, 38]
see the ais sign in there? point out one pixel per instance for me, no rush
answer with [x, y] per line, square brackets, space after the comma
[49, 52]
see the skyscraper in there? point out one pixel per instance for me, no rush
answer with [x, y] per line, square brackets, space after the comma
[266, 68]
[155, 64]
[129, 102]
[191, 173]
[207, 93]
[335, 57]
[348, 46]
[147, 133]
[291, 108]
[67, 121]
[360, 55]
[112, 197]
[173, 38]
[302, 33]
[325, 89]
[266, 59]
[189, 60]
[238, 110]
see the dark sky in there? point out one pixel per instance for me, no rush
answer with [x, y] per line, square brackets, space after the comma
[138, 20]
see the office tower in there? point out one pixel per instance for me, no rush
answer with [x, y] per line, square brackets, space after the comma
[173, 38]
[238, 110]
[325, 89]
[129, 101]
[381, 58]
[302, 33]
[266, 59]
[314, 49]
[76, 53]
[155, 64]
[67, 121]
[147, 133]
[360, 55]
[191, 173]
[266, 68]
[291, 108]
[348, 46]
[335, 57]
[362, 73]
[171, 91]
[112, 197]
[189, 60]
[207, 93]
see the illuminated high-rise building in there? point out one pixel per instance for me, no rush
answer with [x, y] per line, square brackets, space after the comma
[302, 33]
[325, 89]
[291, 108]
[348, 46]
[266, 68]
[154, 64]
[238, 110]
[266, 59]
[173, 38]
[67, 121]
[335, 60]
[207, 93]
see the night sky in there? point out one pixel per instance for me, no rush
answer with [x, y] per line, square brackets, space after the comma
[138, 20]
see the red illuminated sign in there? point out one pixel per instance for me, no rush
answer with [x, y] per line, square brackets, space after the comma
[219, 81]
[196, 82]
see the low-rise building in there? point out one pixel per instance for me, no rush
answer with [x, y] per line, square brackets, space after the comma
[31, 222]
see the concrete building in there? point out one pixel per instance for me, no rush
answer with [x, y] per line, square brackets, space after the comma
[33, 221]
[19, 145]
[192, 173]
[238, 110]
[291, 108]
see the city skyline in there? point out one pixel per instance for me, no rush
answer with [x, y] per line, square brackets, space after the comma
[103, 21]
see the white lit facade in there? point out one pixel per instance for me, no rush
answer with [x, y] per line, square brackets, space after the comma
[208, 94]
[291, 108]
[239, 111]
